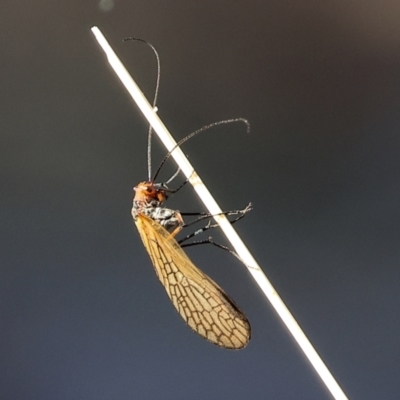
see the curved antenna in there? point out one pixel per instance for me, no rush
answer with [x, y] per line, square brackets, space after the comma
[173, 176]
[204, 128]
[154, 100]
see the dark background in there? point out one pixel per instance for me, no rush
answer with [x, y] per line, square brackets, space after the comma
[82, 314]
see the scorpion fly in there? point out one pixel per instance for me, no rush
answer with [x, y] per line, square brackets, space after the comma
[201, 302]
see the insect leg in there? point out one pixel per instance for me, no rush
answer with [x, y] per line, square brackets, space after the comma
[209, 226]
[248, 208]
[205, 215]
[210, 241]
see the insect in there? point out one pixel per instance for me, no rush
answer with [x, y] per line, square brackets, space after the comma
[201, 302]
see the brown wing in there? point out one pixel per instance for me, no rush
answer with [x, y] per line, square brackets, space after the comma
[204, 306]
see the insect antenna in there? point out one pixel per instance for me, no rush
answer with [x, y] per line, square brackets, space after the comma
[150, 133]
[204, 128]
[154, 102]
[173, 176]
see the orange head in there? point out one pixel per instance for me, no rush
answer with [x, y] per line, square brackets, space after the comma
[148, 192]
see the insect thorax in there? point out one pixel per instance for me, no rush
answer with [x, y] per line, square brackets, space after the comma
[166, 217]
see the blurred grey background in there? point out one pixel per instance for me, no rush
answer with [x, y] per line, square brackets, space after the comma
[82, 314]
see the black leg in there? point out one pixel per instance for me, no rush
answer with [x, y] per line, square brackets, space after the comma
[194, 213]
[210, 226]
[210, 241]
[248, 208]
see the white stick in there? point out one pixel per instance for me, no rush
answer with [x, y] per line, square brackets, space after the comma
[226, 227]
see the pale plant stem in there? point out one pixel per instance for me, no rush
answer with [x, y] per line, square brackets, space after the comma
[213, 208]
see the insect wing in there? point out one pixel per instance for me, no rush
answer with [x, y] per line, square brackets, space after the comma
[204, 306]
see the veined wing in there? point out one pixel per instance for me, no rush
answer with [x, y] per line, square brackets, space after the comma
[204, 306]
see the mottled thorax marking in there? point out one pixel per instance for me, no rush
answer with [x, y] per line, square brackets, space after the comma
[148, 200]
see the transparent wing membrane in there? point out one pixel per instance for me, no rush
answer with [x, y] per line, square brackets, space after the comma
[203, 305]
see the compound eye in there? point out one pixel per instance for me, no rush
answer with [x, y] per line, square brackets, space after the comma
[149, 189]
